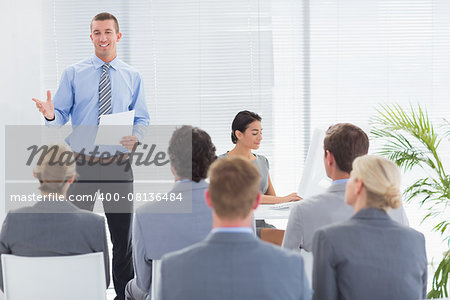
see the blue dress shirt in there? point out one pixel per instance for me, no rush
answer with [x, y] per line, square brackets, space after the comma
[345, 180]
[233, 230]
[78, 96]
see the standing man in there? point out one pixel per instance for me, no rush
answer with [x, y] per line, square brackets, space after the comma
[231, 263]
[99, 85]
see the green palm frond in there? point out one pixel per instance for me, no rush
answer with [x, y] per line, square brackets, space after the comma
[410, 140]
[396, 126]
[447, 125]
[441, 226]
[440, 279]
[400, 151]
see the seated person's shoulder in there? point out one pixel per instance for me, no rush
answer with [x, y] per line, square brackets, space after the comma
[78, 217]
[334, 233]
[222, 155]
[85, 215]
[86, 221]
[143, 210]
[185, 254]
[311, 203]
[90, 216]
[18, 211]
[335, 229]
[274, 255]
[280, 253]
[407, 232]
[262, 158]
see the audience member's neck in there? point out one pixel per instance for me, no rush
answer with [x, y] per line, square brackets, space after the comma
[219, 222]
[54, 195]
[360, 203]
[242, 151]
[338, 174]
[176, 177]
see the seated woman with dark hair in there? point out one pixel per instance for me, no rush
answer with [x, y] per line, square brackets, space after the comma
[370, 256]
[191, 152]
[54, 227]
[246, 134]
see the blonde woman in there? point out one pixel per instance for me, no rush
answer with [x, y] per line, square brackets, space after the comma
[54, 226]
[370, 256]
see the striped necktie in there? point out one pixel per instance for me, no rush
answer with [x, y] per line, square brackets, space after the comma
[104, 93]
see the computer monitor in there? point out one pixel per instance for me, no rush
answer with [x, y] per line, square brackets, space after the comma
[314, 178]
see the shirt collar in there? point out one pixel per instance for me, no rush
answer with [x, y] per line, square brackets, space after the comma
[184, 180]
[232, 229]
[98, 63]
[345, 180]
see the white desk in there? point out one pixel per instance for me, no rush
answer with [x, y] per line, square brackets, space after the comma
[265, 212]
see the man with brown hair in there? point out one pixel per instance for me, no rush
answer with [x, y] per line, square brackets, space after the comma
[156, 233]
[231, 263]
[343, 143]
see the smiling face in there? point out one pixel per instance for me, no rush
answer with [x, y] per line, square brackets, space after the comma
[105, 39]
[252, 136]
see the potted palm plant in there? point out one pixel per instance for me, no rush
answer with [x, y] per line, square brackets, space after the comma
[411, 141]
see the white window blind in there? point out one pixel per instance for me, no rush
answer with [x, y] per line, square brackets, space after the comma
[366, 52]
[204, 62]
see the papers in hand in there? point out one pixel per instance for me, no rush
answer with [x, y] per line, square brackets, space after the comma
[111, 135]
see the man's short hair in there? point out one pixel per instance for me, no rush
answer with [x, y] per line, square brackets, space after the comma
[233, 187]
[346, 142]
[106, 16]
[191, 152]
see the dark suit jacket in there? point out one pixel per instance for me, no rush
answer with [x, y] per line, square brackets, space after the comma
[369, 257]
[233, 266]
[53, 229]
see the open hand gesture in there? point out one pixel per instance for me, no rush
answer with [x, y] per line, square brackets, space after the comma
[46, 107]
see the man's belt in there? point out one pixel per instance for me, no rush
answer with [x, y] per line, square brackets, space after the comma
[119, 158]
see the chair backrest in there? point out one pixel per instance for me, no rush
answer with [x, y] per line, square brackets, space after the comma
[55, 277]
[308, 260]
[156, 276]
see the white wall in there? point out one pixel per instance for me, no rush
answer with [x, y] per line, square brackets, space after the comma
[20, 75]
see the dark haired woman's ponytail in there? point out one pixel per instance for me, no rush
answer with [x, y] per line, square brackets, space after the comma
[233, 137]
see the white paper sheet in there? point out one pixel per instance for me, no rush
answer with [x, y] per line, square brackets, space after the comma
[111, 135]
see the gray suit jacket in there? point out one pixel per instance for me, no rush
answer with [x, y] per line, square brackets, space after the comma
[369, 257]
[155, 234]
[227, 266]
[324, 209]
[53, 229]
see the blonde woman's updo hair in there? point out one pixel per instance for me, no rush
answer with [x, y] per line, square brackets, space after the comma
[381, 179]
[55, 166]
